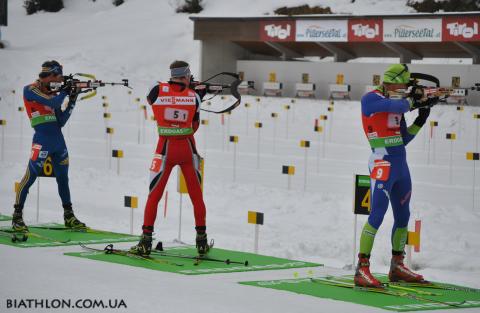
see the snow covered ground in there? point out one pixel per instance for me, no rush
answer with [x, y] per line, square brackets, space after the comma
[313, 225]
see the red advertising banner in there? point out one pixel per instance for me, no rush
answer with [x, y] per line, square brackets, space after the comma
[461, 28]
[365, 30]
[277, 30]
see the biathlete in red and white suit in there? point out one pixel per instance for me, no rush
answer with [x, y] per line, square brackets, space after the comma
[176, 107]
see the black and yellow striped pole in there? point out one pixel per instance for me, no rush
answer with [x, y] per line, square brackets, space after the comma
[14, 98]
[330, 110]
[324, 118]
[255, 218]
[132, 203]
[20, 110]
[473, 156]
[292, 101]
[460, 110]
[274, 116]
[234, 140]
[108, 144]
[228, 116]
[476, 116]
[431, 141]
[106, 117]
[259, 126]
[129, 93]
[306, 145]
[318, 129]
[247, 113]
[3, 123]
[258, 108]
[452, 137]
[143, 109]
[286, 108]
[222, 122]
[288, 170]
[205, 128]
[118, 154]
[139, 115]
[105, 106]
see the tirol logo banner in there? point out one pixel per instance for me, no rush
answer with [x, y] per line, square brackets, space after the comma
[425, 29]
[365, 30]
[461, 28]
[322, 30]
[277, 30]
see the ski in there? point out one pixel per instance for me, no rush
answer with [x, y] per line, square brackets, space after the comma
[69, 229]
[110, 250]
[15, 236]
[434, 286]
[382, 290]
[391, 285]
[197, 259]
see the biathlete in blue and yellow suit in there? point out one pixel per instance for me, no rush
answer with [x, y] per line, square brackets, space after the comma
[387, 132]
[43, 105]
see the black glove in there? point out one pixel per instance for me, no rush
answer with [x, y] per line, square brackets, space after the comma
[416, 93]
[421, 119]
[67, 85]
[432, 101]
[73, 93]
[428, 103]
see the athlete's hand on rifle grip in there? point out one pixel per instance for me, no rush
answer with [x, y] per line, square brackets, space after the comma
[417, 93]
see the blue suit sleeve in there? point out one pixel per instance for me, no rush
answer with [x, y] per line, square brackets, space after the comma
[63, 116]
[374, 103]
[32, 93]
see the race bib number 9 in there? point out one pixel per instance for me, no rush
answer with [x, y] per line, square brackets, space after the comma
[176, 115]
[381, 170]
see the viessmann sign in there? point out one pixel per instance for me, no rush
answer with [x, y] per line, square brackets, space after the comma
[435, 29]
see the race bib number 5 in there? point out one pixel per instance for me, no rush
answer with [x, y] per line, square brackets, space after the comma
[381, 170]
[176, 115]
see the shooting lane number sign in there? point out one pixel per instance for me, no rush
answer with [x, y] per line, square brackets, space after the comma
[361, 203]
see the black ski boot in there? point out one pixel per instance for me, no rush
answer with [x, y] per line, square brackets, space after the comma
[18, 224]
[144, 246]
[71, 221]
[202, 241]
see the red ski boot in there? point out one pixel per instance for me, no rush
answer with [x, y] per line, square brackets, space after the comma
[400, 273]
[363, 277]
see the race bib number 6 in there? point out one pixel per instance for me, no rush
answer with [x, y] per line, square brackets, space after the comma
[176, 115]
[381, 170]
